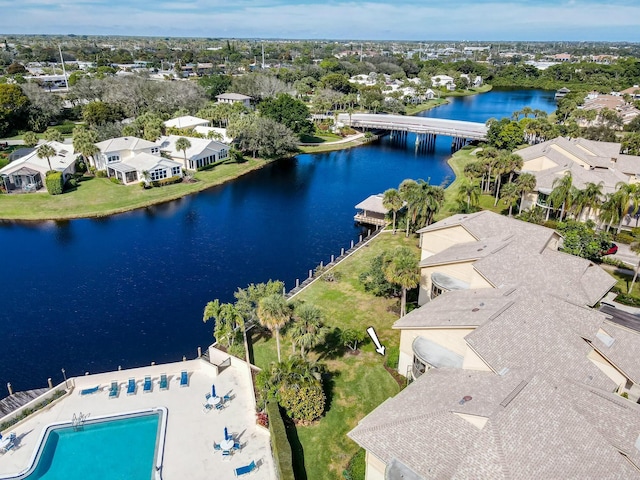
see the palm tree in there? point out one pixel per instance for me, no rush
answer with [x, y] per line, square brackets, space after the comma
[635, 247]
[182, 144]
[526, 183]
[590, 197]
[411, 193]
[501, 167]
[509, 193]
[626, 195]
[46, 151]
[403, 270]
[561, 194]
[489, 156]
[274, 313]
[469, 192]
[307, 330]
[392, 201]
[609, 211]
[89, 150]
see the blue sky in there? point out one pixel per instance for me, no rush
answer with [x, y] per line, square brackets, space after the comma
[588, 20]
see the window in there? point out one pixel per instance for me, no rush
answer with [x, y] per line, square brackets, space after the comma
[435, 290]
[155, 150]
[113, 158]
[223, 154]
[158, 174]
[418, 367]
[175, 171]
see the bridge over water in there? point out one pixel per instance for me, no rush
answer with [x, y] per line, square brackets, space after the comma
[425, 128]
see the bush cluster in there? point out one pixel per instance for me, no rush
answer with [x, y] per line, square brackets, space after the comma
[101, 173]
[356, 467]
[280, 443]
[207, 167]
[53, 180]
[167, 181]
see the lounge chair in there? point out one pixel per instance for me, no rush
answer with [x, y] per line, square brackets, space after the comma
[147, 385]
[131, 386]
[89, 391]
[114, 390]
[246, 469]
[184, 379]
[164, 383]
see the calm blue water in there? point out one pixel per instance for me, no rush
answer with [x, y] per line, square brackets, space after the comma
[89, 295]
[117, 449]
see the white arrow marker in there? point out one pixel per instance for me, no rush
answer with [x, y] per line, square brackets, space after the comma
[374, 337]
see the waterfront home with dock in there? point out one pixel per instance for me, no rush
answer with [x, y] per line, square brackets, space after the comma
[371, 211]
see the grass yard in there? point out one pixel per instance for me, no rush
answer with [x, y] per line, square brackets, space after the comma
[423, 107]
[97, 197]
[320, 137]
[358, 383]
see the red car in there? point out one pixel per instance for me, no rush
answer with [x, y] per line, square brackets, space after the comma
[609, 249]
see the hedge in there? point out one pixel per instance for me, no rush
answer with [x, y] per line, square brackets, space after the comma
[357, 466]
[54, 183]
[280, 443]
[167, 181]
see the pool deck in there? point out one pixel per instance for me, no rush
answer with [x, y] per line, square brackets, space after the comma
[190, 434]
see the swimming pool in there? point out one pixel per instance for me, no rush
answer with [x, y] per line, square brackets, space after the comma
[127, 446]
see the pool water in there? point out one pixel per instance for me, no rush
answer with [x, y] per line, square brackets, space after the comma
[114, 449]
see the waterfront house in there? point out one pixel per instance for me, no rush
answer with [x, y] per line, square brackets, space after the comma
[128, 158]
[201, 153]
[488, 250]
[187, 121]
[234, 98]
[587, 161]
[516, 425]
[371, 211]
[27, 174]
[442, 81]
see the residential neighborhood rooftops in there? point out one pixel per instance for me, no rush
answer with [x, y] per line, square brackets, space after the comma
[199, 146]
[233, 96]
[124, 143]
[186, 121]
[63, 158]
[463, 424]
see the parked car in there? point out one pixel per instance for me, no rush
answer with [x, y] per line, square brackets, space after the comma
[609, 249]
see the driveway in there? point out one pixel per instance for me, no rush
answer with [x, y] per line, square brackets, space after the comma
[626, 255]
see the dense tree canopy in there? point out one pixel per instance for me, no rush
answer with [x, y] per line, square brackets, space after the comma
[288, 111]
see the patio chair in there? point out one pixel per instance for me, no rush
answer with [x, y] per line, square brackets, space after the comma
[206, 407]
[164, 383]
[89, 391]
[131, 386]
[184, 379]
[147, 384]
[114, 390]
[207, 396]
[227, 398]
[246, 469]
[216, 446]
[237, 446]
[219, 406]
[226, 453]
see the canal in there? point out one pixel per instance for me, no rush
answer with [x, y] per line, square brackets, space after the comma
[95, 294]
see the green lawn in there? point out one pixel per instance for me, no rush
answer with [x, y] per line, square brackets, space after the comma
[428, 105]
[96, 197]
[466, 93]
[358, 383]
[320, 137]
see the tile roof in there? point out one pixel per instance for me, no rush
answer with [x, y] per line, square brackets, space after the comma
[200, 147]
[534, 429]
[124, 143]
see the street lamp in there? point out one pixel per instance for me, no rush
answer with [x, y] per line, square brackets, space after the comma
[64, 374]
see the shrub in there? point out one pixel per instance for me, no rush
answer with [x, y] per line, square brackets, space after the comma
[280, 443]
[207, 167]
[115, 180]
[393, 357]
[237, 350]
[356, 467]
[625, 237]
[305, 403]
[262, 419]
[71, 184]
[53, 180]
[166, 181]
[626, 299]
[100, 173]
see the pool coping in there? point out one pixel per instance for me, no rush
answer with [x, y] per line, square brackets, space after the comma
[160, 439]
